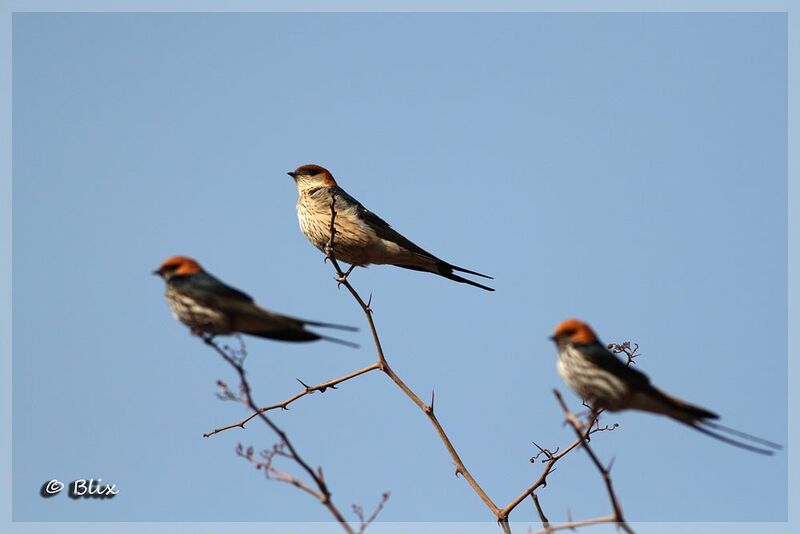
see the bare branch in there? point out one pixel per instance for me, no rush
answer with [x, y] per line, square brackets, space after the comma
[366, 521]
[428, 410]
[273, 473]
[550, 460]
[605, 472]
[285, 404]
[545, 522]
[284, 449]
[572, 525]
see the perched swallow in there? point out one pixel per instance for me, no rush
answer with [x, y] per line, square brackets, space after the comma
[208, 306]
[362, 238]
[607, 383]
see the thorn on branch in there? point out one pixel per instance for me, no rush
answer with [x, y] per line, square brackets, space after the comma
[583, 438]
[548, 454]
[303, 384]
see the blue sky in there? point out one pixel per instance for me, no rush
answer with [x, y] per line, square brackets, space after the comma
[628, 169]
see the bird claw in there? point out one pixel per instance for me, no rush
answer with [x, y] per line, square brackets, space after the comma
[205, 336]
[328, 250]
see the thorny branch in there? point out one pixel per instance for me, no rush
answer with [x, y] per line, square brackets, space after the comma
[605, 472]
[502, 514]
[284, 449]
[545, 521]
[330, 384]
[383, 365]
[551, 457]
[584, 433]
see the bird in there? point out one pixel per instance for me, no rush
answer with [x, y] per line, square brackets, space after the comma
[607, 383]
[210, 307]
[361, 237]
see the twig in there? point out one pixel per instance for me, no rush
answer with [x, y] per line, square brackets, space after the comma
[272, 472]
[366, 521]
[545, 522]
[631, 352]
[285, 404]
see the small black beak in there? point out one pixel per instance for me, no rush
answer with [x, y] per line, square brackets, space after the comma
[157, 272]
[552, 338]
[292, 174]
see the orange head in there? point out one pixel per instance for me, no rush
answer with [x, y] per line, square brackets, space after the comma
[178, 266]
[307, 176]
[573, 331]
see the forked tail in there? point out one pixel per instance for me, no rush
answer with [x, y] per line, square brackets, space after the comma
[654, 400]
[700, 426]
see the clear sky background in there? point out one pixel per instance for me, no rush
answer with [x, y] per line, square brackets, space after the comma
[627, 169]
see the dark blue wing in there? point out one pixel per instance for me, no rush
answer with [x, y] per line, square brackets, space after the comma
[206, 288]
[383, 229]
